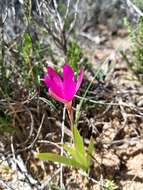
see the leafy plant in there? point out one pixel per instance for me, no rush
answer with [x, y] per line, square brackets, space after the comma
[74, 55]
[138, 3]
[110, 185]
[77, 157]
[62, 9]
[26, 48]
[31, 52]
[137, 48]
[136, 61]
[52, 186]
[5, 125]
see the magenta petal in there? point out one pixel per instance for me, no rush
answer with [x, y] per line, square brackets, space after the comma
[51, 93]
[68, 72]
[55, 77]
[53, 87]
[47, 81]
[79, 80]
[69, 91]
[54, 82]
[69, 84]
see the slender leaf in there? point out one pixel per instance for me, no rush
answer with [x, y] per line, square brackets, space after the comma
[90, 150]
[70, 150]
[78, 141]
[60, 159]
[79, 147]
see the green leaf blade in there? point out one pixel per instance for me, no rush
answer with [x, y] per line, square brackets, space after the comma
[54, 157]
[90, 150]
[79, 147]
[78, 141]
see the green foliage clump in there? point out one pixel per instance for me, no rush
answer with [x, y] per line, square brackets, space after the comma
[136, 35]
[74, 55]
[110, 185]
[31, 54]
[52, 186]
[5, 125]
[138, 3]
[62, 9]
[76, 58]
[26, 47]
[137, 48]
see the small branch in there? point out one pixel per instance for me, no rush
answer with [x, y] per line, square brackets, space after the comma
[4, 185]
[101, 184]
[137, 10]
[126, 58]
[67, 10]
[62, 150]
[106, 103]
[58, 15]
[74, 20]
[39, 130]
[57, 145]
[2, 59]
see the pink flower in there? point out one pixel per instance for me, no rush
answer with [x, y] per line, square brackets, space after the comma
[63, 89]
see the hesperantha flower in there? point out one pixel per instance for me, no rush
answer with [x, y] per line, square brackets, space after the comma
[63, 88]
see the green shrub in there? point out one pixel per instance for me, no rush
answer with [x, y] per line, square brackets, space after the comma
[74, 55]
[138, 3]
[137, 48]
